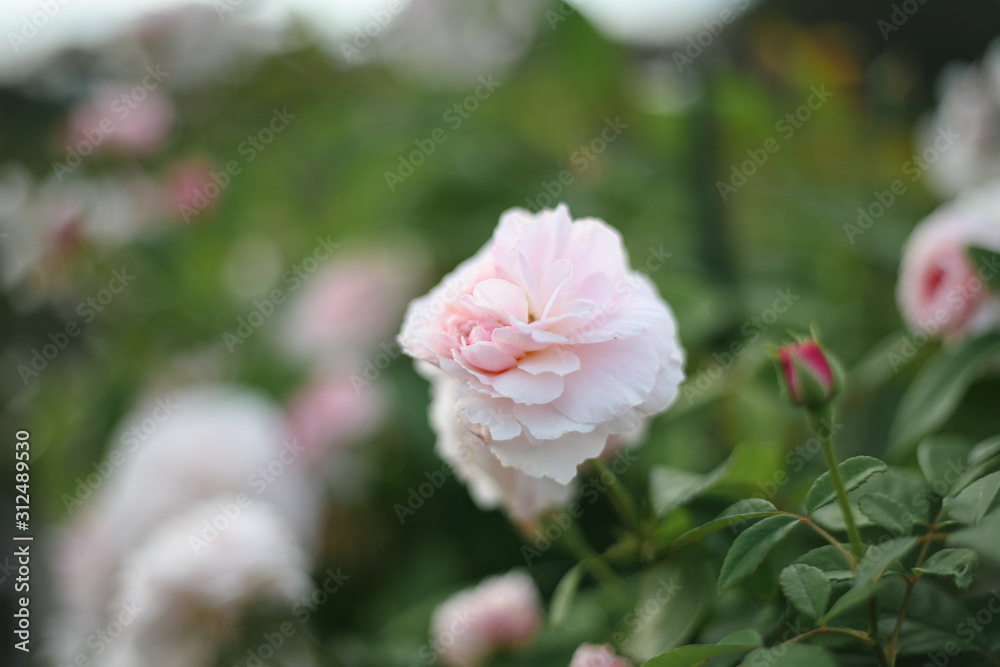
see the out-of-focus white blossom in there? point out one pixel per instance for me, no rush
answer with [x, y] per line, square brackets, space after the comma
[960, 141]
[215, 440]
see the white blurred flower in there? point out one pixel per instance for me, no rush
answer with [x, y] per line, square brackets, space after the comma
[963, 134]
[455, 42]
[491, 484]
[191, 587]
[660, 22]
[591, 655]
[501, 612]
[216, 440]
[47, 222]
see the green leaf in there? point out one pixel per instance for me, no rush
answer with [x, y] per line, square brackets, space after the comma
[744, 510]
[807, 588]
[796, 655]
[983, 257]
[983, 459]
[831, 518]
[984, 538]
[670, 488]
[937, 391]
[673, 597]
[975, 500]
[752, 546]
[959, 564]
[886, 512]
[907, 488]
[830, 561]
[942, 459]
[564, 595]
[696, 654]
[855, 471]
[869, 575]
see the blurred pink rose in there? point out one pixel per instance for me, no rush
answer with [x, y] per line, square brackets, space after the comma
[331, 413]
[351, 305]
[187, 186]
[940, 291]
[591, 655]
[556, 342]
[131, 119]
[501, 612]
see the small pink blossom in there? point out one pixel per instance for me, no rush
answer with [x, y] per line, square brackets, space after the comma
[331, 413]
[501, 612]
[133, 120]
[556, 343]
[188, 186]
[591, 655]
[350, 307]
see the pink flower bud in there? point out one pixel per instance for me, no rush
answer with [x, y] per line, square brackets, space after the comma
[501, 612]
[591, 655]
[810, 377]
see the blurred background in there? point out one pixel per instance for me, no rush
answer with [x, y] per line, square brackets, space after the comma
[212, 216]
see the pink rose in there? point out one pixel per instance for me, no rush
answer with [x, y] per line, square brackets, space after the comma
[590, 655]
[940, 291]
[491, 484]
[555, 342]
[501, 612]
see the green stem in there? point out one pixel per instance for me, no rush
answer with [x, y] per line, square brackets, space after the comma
[578, 546]
[621, 500]
[830, 455]
[862, 637]
[853, 535]
[848, 558]
[892, 649]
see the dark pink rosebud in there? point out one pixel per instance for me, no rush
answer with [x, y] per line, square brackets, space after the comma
[810, 375]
